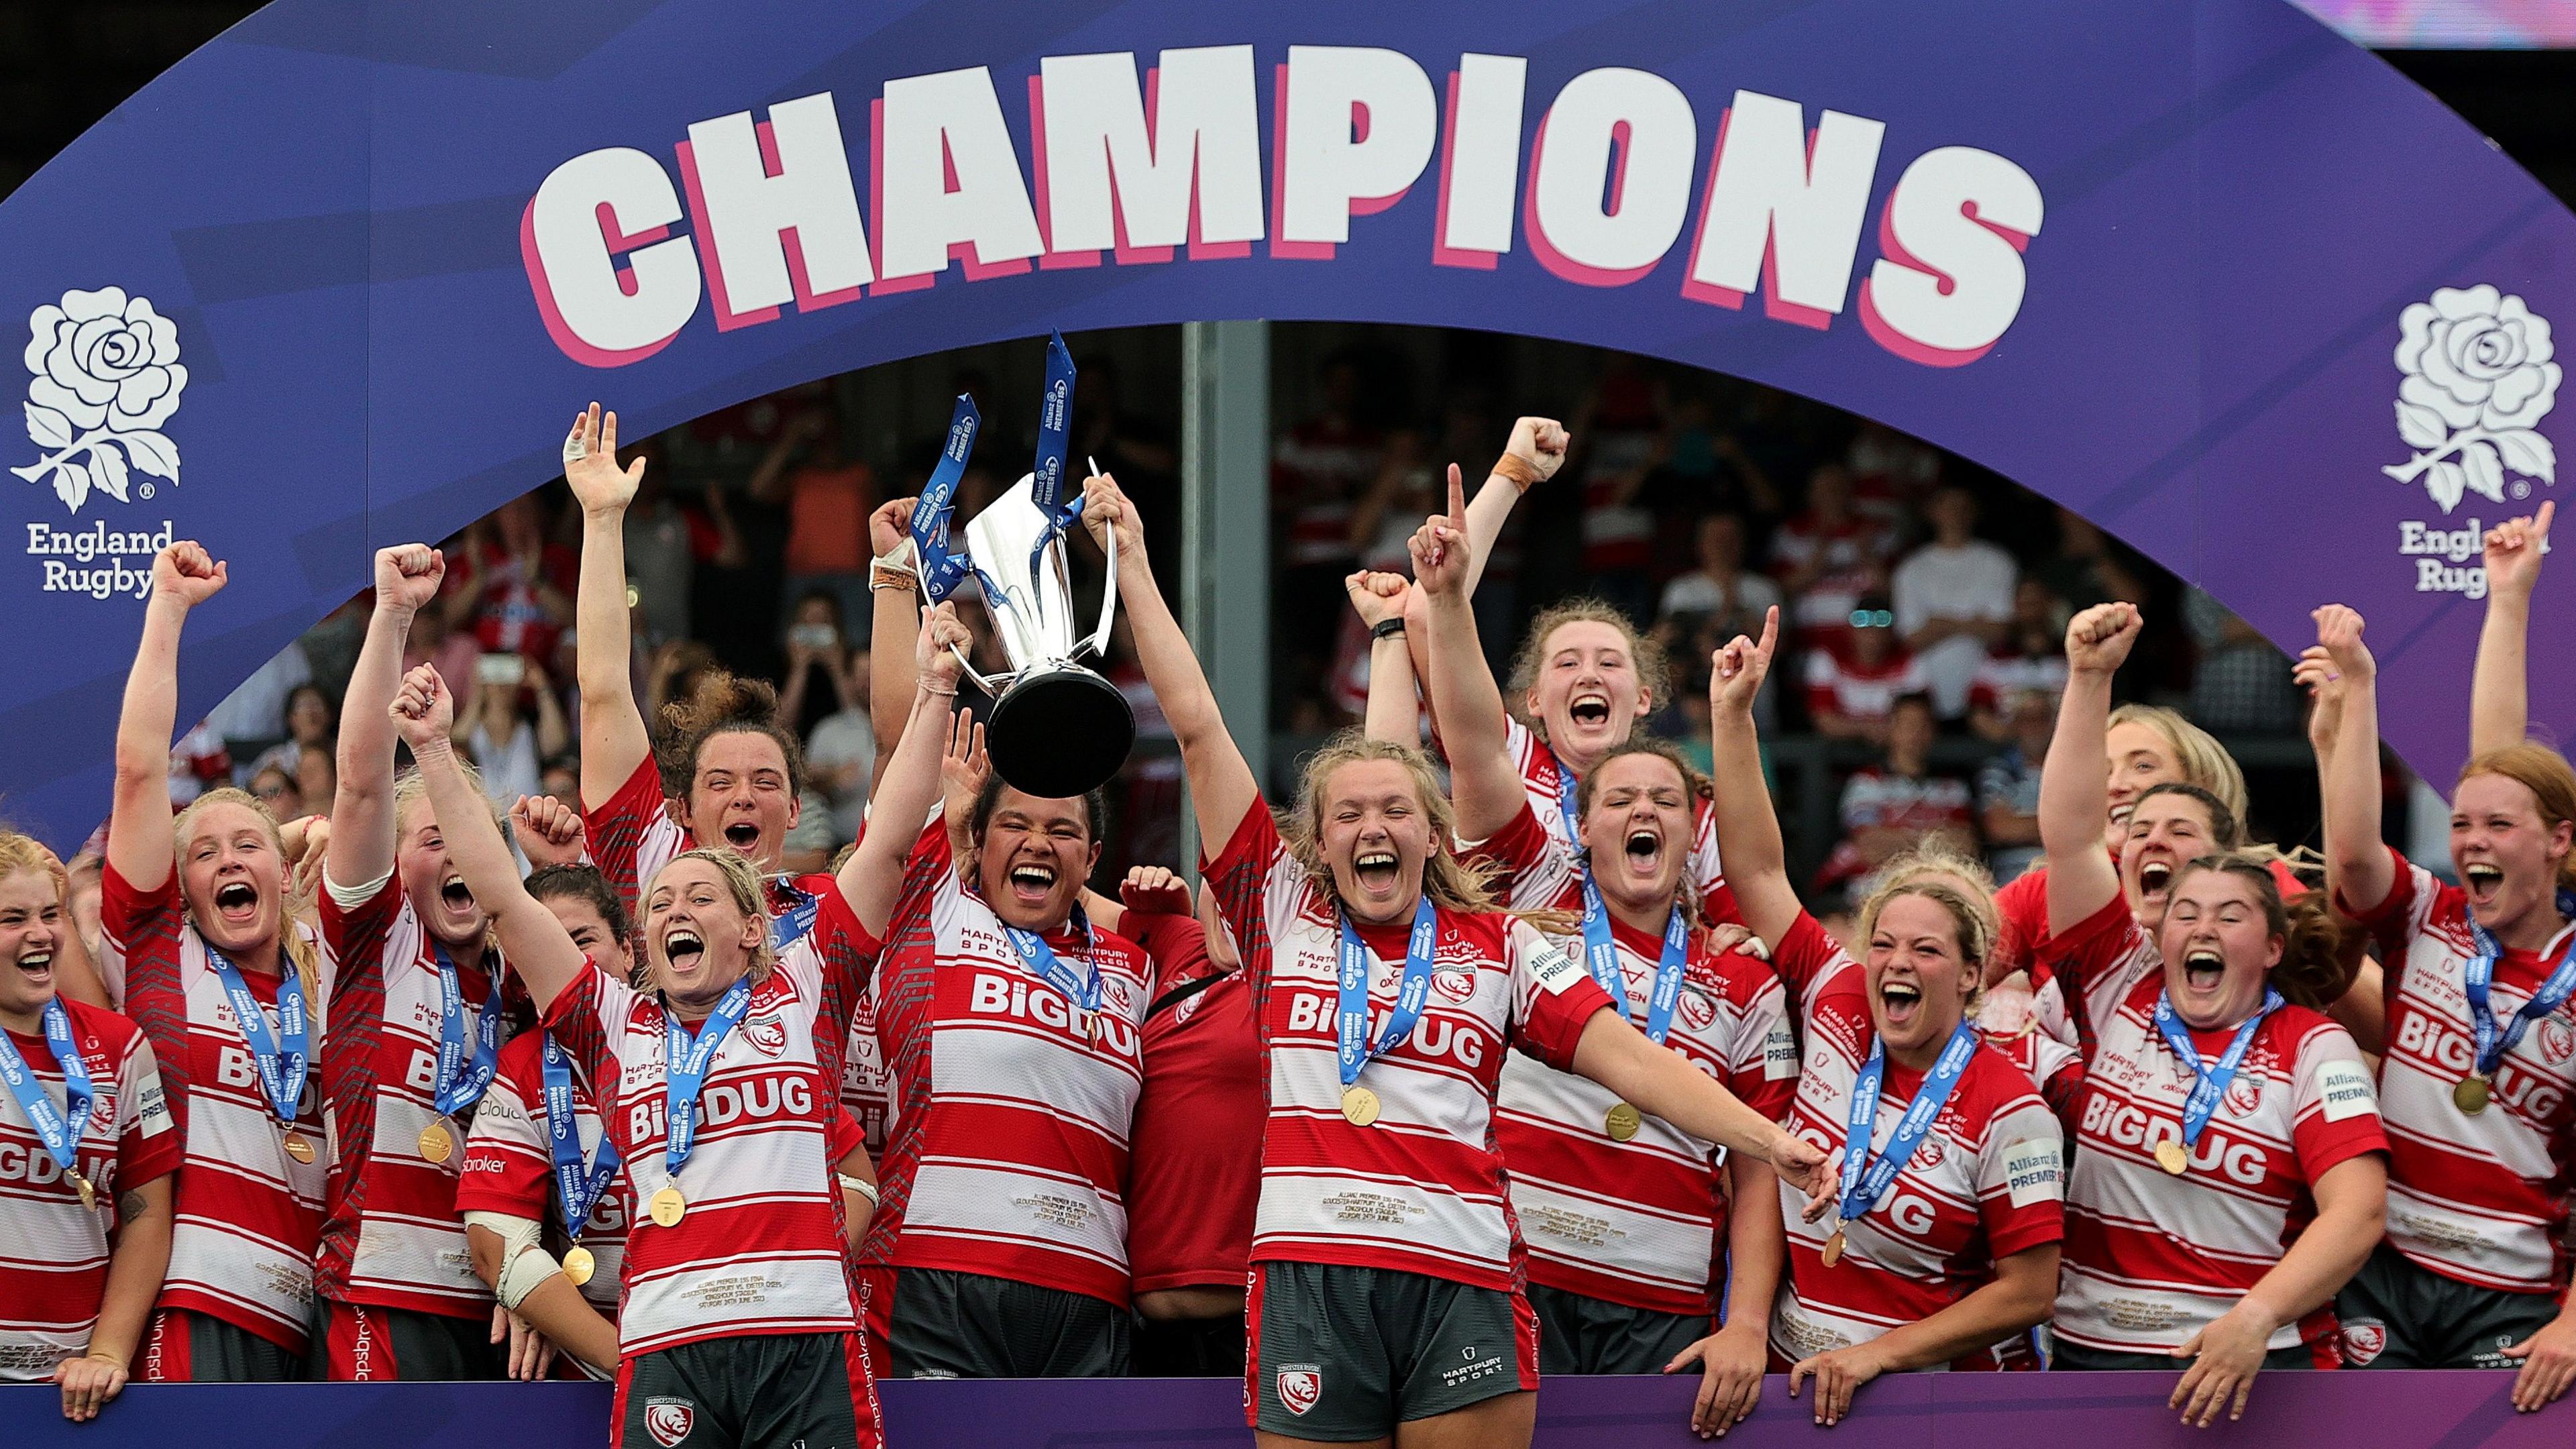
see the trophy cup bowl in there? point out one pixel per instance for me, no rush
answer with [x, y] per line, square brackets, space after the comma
[1056, 729]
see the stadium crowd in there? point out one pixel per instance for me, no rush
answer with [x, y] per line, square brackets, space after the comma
[769, 1042]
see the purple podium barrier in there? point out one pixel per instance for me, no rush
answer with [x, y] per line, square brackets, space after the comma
[1923, 1411]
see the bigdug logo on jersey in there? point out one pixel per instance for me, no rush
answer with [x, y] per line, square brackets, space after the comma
[1439, 1035]
[994, 994]
[2529, 1094]
[755, 1097]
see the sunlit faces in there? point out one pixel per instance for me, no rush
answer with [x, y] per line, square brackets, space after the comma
[232, 877]
[2218, 946]
[1637, 828]
[697, 937]
[2506, 853]
[2140, 758]
[581, 921]
[437, 891]
[1376, 838]
[1033, 857]
[31, 931]
[1918, 974]
[1587, 690]
[2165, 833]
[740, 795]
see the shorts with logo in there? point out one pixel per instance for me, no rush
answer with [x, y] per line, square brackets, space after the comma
[1342, 1354]
[752, 1392]
[2397, 1313]
[951, 1325]
[1579, 1334]
[366, 1343]
[184, 1347]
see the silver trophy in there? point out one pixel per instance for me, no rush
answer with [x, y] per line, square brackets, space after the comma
[1056, 729]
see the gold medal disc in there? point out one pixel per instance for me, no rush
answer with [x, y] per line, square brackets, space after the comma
[578, 1265]
[1834, 1248]
[668, 1207]
[299, 1147]
[88, 1194]
[1622, 1123]
[437, 1144]
[1359, 1106]
[2472, 1094]
[2172, 1158]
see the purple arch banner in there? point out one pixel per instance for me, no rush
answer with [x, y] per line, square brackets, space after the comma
[2197, 268]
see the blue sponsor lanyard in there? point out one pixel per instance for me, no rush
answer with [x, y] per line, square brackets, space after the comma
[1350, 1020]
[2480, 974]
[793, 924]
[943, 567]
[59, 1128]
[685, 1064]
[2211, 1082]
[1055, 427]
[282, 1068]
[1866, 1181]
[1601, 958]
[459, 1083]
[580, 1185]
[1043, 963]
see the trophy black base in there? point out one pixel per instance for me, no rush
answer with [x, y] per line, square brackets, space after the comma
[1059, 733]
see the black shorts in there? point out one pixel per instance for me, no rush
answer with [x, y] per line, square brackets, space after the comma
[1584, 1335]
[1188, 1348]
[950, 1325]
[1344, 1354]
[2399, 1314]
[364, 1343]
[2076, 1358]
[749, 1393]
[186, 1347]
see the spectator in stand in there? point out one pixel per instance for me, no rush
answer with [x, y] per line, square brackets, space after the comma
[563, 778]
[510, 722]
[1827, 557]
[2032, 656]
[2088, 569]
[452, 652]
[2008, 786]
[841, 748]
[1135, 447]
[1954, 598]
[1851, 693]
[258, 712]
[1317, 476]
[1620, 425]
[829, 496]
[1891, 474]
[816, 644]
[1719, 595]
[277, 790]
[1891, 806]
[311, 721]
[198, 762]
[1404, 492]
[663, 543]
[2243, 684]
[507, 586]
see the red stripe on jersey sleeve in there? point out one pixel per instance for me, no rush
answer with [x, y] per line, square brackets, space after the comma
[508, 1167]
[2021, 908]
[1516, 849]
[1803, 955]
[140, 1155]
[1562, 996]
[616, 830]
[144, 925]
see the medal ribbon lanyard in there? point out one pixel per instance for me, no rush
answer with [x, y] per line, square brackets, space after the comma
[1046, 475]
[1601, 958]
[943, 567]
[2479, 974]
[580, 1184]
[1350, 1019]
[793, 924]
[459, 1083]
[58, 1128]
[283, 1058]
[1043, 963]
[685, 1064]
[2210, 1083]
[1865, 1180]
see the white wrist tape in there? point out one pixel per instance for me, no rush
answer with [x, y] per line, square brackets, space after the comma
[862, 1187]
[524, 1265]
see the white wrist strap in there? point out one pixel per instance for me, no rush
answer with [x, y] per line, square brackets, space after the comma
[862, 1187]
[524, 1265]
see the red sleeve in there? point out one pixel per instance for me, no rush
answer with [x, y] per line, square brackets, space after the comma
[843, 1133]
[2022, 908]
[508, 1165]
[2338, 1104]
[144, 928]
[2092, 948]
[1556, 997]
[849, 953]
[1805, 953]
[2389, 916]
[1762, 1030]
[1175, 946]
[1240, 873]
[140, 1155]
[2021, 1171]
[1718, 905]
[355, 937]
[1516, 848]
[616, 829]
[573, 1017]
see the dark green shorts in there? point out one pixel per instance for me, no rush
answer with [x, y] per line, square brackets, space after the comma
[2398, 1314]
[1343, 1354]
[2076, 1358]
[184, 1347]
[366, 1343]
[1188, 1348]
[950, 1325]
[1584, 1335]
[749, 1393]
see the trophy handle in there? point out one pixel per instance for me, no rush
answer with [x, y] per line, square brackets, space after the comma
[992, 685]
[1098, 643]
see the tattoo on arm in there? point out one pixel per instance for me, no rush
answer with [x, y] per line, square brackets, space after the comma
[129, 1206]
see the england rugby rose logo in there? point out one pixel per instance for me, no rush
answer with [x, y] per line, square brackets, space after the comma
[106, 376]
[2478, 381]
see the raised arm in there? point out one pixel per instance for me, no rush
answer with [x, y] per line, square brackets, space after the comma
[1532, 456]
[362, 810]
[2358, 867]
[1748, 828]
[2499, 687]
[140, 841]
[894, 617]
[613, 738]
[532, 940]
[2075, 791]
[1223, 789]
[872, 878]
[1394, 706]
[1464, 698]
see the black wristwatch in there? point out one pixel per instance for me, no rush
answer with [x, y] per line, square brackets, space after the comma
[1386, 628]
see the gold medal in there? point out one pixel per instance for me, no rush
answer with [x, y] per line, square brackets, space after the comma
[2472, 1094]
[2172, 1158]
[1834, 1248]
[88, 1194]
[578, 1265]
[299, 1147]
[1359, 1106]
[668, 1207]
[1622, 1123]
[437, 1144]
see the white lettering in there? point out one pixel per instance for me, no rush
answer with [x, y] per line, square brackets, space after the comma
[1356, 127]
[1952, 280]
[777, 214]
[612, 283]
[1610, 181]
[1784, 205]
[1109, 165]
[935, 128]
[1481, 170]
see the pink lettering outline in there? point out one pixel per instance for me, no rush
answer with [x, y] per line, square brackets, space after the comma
[1129, 256]
[617, 245]
[1281, 249]
[1049, 260]
[1443, 254]
[876, 208]
[1883, 332]
[791, 243]
[1769, 270]
[1557, 263]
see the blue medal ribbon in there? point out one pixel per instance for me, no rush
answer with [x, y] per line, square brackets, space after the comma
[685, 1064]
[1042, 962]
[1601, 958]
[2210, 1083]
[2479, 974]
[793, 924]
[282, 1059]
[580, 1184]
[1350, 1020]
[1055, 439]
[58, 1128]
[459, 1083]
[1866, 1181]
[943, 567]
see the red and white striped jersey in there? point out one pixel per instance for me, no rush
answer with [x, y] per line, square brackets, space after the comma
[53, 1251]
[510, 1167]
[2480, 1199]
[1986, 1182]
[1194, 1175]
[1561, 889]
[2152, 1258]
[1009, 1153]
[1422, 1191]
[867, 1088]
[391, 1235]
[249, 1217]
[760, 1248]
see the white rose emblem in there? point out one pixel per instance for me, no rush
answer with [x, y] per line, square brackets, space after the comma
[106, 377]
[2478, 380]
